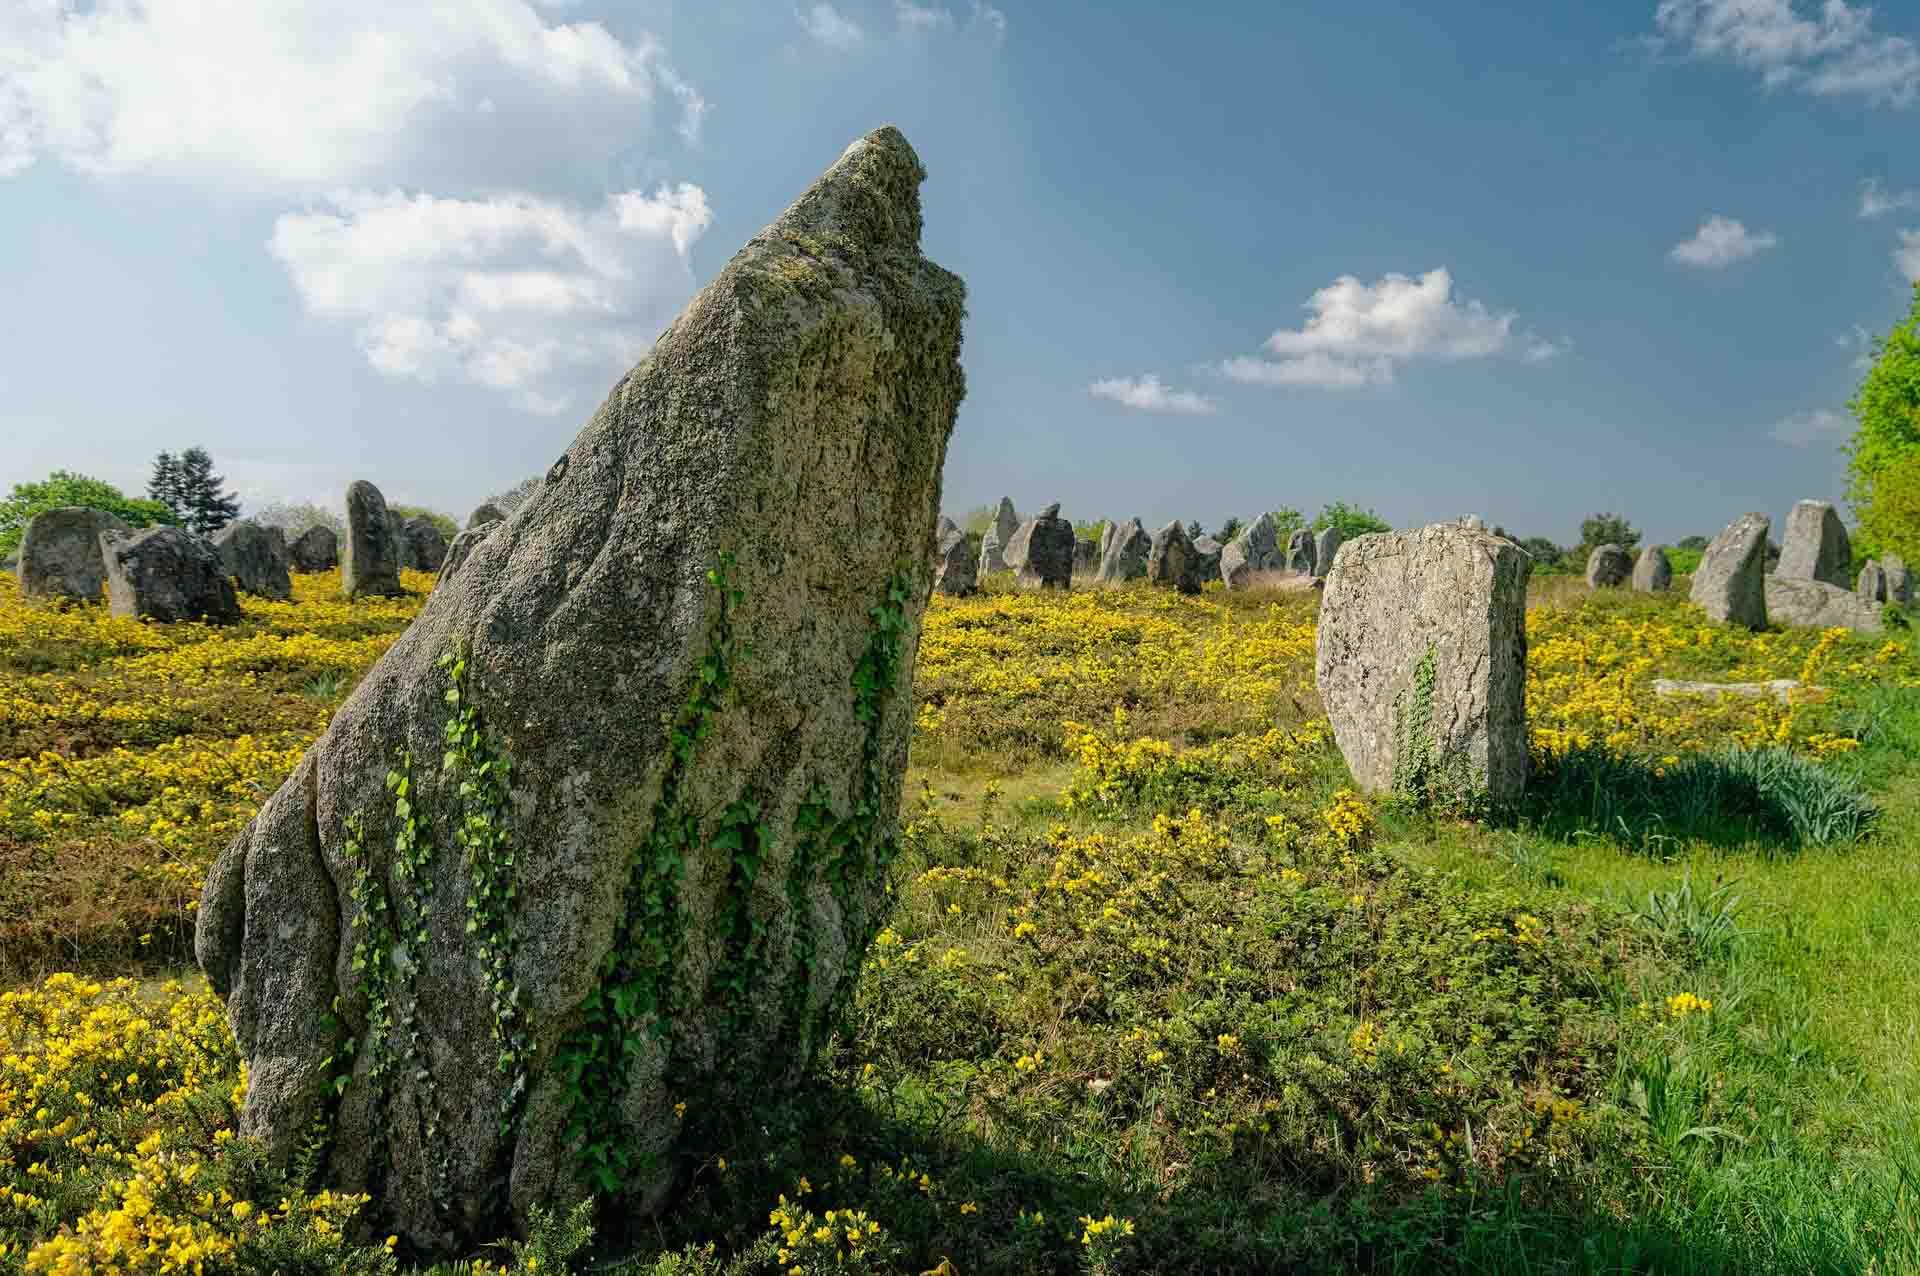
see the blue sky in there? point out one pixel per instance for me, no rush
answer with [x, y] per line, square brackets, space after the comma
[1433, 259]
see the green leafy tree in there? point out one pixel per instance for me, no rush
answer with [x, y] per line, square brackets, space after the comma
[1886, 410]
[63, 488]
[192, 492]
[1604, 529]
[1089, 529]
[1693, 542]
[1286, 521]
[1892, 519]
[977, 520]
[1350, 519]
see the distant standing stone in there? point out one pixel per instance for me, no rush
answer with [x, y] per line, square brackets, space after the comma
[1899, 583]
[256, 558]
[403, 555]
[1422, 661]
[941, 529]
[169, 575]
[994, 541]
[426, 546]
[1006, 520]
[370, 558]
[1730, 582]
[1127, 556]
[1815, 545]
[1086, 556]
[484, 513]
[1016, 549]
[1045, 548]
[1106, 540]
[1608, 566]
[1209, 551]
[1235, 571]
[1872, 584]
[1300, 552]
[1259, 544]
[461, 546]
[1172, 562]
[1325, 546]
[315, 550]
[955, 569]
[60, 553]
[1653, 574]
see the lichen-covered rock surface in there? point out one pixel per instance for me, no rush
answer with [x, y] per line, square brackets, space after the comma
[1730, 582]
[167, 574]
[665, 895]
[956, 572]
[1653, 571]
[1815, 545]
[315, 550]
[256, 558]
[1041, 552]
[1126, 557]
[1421, 661]
[60, 553]
[1818, 605]
[370, 556]
[1172, 562]
[426, 548]
[1608, 566]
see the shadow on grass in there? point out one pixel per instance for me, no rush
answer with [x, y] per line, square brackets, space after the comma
[1235, 1219]
[1735, 798]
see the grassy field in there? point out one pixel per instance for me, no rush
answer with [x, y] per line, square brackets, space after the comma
[1160, 993]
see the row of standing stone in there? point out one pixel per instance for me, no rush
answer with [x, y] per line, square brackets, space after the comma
[169, 574]
[1808, 586]
[1043, 553]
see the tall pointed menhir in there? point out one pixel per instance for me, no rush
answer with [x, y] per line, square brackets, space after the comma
[605, 831]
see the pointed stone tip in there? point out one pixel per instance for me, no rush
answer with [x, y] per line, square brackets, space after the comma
[871, 191]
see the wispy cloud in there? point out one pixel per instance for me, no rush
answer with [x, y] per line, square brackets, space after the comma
[1807, 428]
[1858, 338]
[1359, 333]
[1834, 53]
[1721, 241]
[1877, 201]
[1147, 394]
[1907, 256]
[925, 18]
[826, 25]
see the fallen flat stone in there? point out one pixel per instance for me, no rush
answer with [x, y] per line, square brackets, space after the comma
[60, 553]
[1729, 584]
[1421, 662]
[677, 878]
[1781, 689]
[169, 575]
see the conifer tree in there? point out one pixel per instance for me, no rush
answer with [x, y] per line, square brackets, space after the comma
[204, 507]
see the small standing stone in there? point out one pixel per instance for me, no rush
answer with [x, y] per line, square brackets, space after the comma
[1325, 546]
[1872, 584]
[1300, 552]
[1259, 544]
[1085, 556]
[169, 575]
[60, 553]
[1209, 551]
[1422, 661]
[1045, 548]
[461, 546]
[1172, 562]
[426, 547]
[1127, 556]
[955, 569]
[315, 550]
[1730, 583]
[1106, 541]
[1608, 566]
[1815, 545]
[403, 551]
[1899, 582]
[256, 558]
[994, 541]
[1653, 574]
[370, 558]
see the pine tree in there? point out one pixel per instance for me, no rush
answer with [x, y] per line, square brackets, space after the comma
[164, 486]
[204, 507]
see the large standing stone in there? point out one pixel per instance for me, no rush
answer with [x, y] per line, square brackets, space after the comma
[167, 574]
[1729, 584]
[1300, 552]
[1127, 556]
[483, 513]
[1653, 573]
[315, 550]
[1815, 545]
[1872, 585]
[1171, 560]
[955, 569]
[696, 838]
[60, 553]
[370, 556]
[1044, 548]
[1899, 582]
[426, 546]
[1422, 661]
[1325, 546]
[1818, 605]
[1208, 551]
[256, 558]
[1608, 566]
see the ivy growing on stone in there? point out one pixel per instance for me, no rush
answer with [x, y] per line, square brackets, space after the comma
[1420, 772]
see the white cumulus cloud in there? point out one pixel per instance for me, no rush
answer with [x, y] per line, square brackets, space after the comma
[1807, 428]
[514, 293]
[1721, 241]
[1359, 333]
[826, 25]
[313, 94]
[1147, 394]
[1832, 51]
